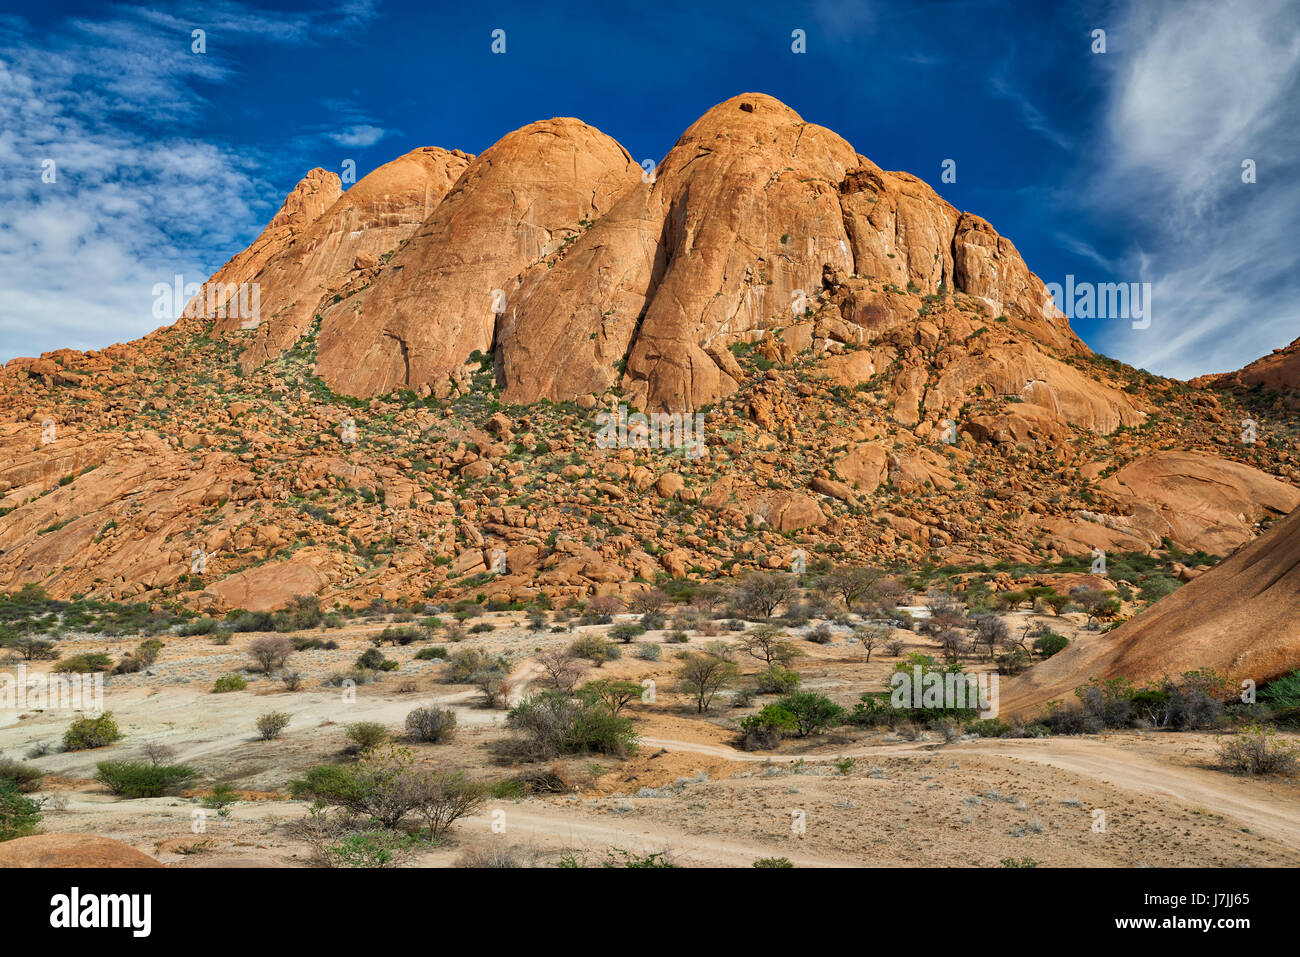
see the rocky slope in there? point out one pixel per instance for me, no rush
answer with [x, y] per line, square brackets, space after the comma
[880, 379]
[1237, 619]
[1279, 371]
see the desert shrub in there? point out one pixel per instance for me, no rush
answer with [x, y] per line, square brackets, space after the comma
[431, 725]
[85, 734]
[145, 654]
[250, 621]
[1063, 719]
[200, 626]
[481, 627]
[989, 728]
[95, 661]
[19, 815]
[648, 651]
[759, 732]
[292, 680]
[595, 648]
[1256, 750]
[1050, 644]
[773, 862]
[494, 681]
[372, 659]
[231, 682]
[270, 652]
[271, 724]
[759, 594]
[894, 647]
[626, 632]
[1155, 587]
[743, 697]
[821, 634]
[370, 849]
[553, 724]
[397, 635]
[776, 680]
[25, 777]
[141, 779]
[1109, 702]
[386, 787]
[435, 653]
[812, 711]
[366, 735]
[873, 711]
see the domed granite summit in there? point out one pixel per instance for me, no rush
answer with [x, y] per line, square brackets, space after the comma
[873, 371]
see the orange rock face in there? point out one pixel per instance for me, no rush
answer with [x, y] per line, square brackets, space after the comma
[1237, 619]
[438, 300]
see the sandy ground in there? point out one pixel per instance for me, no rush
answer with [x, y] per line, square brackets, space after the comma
[1116, 800]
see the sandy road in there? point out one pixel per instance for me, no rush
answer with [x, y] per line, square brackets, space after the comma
[1251, 803]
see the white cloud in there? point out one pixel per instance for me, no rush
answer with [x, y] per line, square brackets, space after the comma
[139, 195]
[1196, 89]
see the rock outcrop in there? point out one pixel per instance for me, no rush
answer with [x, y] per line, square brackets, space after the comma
[1237, 619]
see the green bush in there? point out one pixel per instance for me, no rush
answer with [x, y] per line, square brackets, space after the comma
[231, 682]
[595, 648]
[366, 735]
[1282, 692]
[88, 733]
[648, 652]
[271, 724]
[554, 724]
[773, 862]
[19, 815]
[873, 711]
[373, 659]
[812, 711]
[140, 779]
[626, 632]
[436, 653]
[776, 680]
[766, 729]
[25, 777]
[200, 626]
[251, 621]
[94, 661]
[1049, 644]
[467, 662]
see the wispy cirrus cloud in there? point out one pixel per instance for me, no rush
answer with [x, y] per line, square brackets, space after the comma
[112, 184]
[1196, 90]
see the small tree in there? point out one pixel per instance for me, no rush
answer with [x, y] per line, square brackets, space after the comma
[759, 594]
[612, 693]
[871, 637]
[270, 652]
[703, 675]
[767, 643]
[648, 602]
[563, 668]
[811, 711]
[990, 631]
[850, 583]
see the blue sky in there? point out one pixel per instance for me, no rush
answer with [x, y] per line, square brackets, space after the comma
[1123, 166]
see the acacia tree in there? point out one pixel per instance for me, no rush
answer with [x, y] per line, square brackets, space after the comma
[990, 631]
[648, 602]
[703, 676]
[613, 693]
[767, 643]
[872, 637]
[759, 594]
[852, 584]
